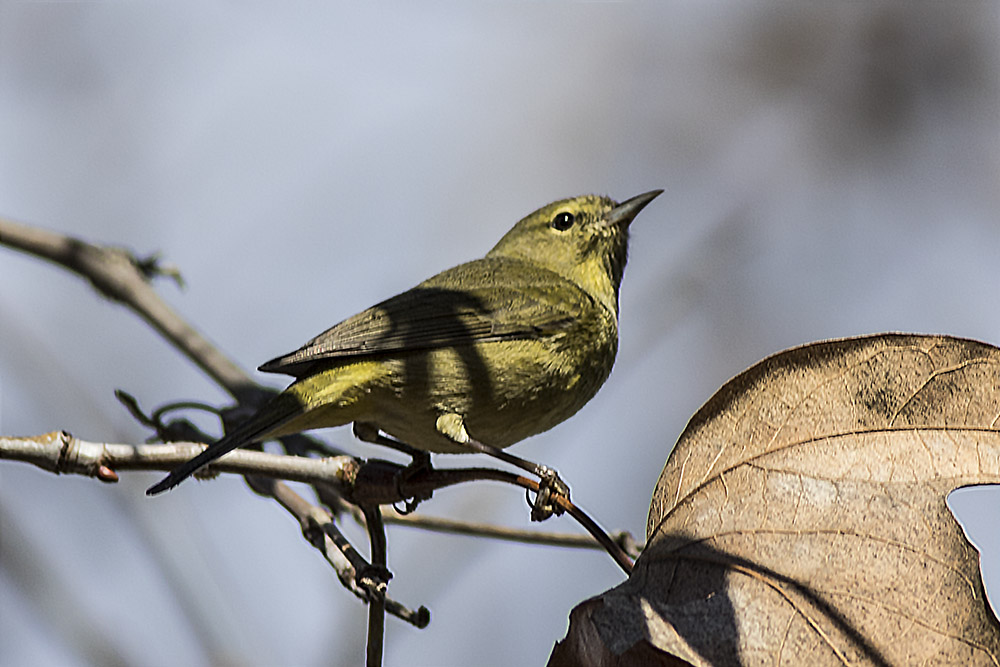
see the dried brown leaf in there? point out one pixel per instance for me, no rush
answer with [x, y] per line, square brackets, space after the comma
[801, 518]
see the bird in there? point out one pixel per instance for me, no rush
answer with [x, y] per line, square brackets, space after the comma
[475, 358]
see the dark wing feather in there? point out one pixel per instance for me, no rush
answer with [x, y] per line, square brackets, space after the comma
[526, 302]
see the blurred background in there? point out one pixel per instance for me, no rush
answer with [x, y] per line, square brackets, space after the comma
[831, 169]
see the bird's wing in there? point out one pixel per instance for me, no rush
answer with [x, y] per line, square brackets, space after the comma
[468, 304]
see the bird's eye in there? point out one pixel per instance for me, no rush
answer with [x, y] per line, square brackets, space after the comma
[563, 221]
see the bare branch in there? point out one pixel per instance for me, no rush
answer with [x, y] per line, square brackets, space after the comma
[63, 454]
[375, 580]
[121, 276]
[384, 483]
[320, 530]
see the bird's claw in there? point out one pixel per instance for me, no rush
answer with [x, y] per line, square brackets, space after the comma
[421, 464]
[550, 487]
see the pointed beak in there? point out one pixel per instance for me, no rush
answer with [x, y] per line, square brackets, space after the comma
[623, 214]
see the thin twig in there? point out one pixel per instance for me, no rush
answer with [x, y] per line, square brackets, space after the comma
[475, 529]
[381, 483]
[320, 530]
[613, 549]
[422, 484]
[376, 581]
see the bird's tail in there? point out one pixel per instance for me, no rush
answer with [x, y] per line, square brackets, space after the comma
[278, 411]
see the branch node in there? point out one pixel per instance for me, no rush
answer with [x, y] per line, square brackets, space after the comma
[374, 579]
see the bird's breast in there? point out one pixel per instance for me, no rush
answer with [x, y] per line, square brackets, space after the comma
[504, 390]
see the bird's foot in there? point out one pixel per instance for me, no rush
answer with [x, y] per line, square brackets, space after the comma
[420, 465]
[550, 487]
